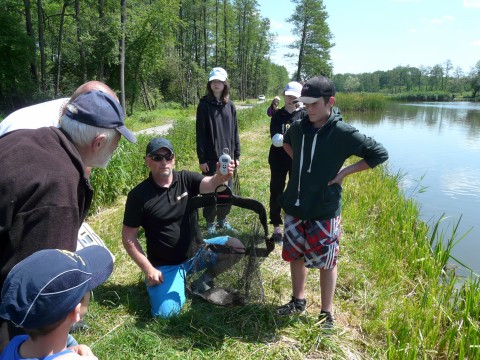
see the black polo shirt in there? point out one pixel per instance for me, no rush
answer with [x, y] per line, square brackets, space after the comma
[160, 211]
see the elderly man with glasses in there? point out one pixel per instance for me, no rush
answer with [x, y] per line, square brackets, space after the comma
[45, 194]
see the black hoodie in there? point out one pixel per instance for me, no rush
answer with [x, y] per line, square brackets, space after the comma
[217, 128]
[279, 124]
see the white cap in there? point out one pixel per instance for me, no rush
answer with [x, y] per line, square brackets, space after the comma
[218, 73]
[293, 88]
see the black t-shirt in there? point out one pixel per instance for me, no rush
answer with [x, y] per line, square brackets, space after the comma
[162, 213]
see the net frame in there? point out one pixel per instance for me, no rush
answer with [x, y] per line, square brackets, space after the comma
[243, 278]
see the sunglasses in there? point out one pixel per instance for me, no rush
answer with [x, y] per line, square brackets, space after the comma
[160, 157]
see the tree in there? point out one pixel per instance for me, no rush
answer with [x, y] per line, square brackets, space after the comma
[41, 44]
[59, 49]
[475, 79]
[30, 33]
[351, 84]
[249, 37]
[457, 80]
[314, 42]
[17, 55]
[436, 77]
[102, 37]
[81, 48]
[447, 68]
[123, 22]
[416, 77]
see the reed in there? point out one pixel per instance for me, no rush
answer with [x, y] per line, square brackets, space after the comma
[360, 101]
[422, 96]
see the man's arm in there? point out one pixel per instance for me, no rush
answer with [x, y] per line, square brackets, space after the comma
[210, 183]
[134, 249]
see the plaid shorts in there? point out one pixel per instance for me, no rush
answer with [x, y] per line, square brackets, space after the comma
[317, 241]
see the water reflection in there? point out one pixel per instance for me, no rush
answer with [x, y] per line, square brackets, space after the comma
[434, 115]
[437, 147]
[464, 182]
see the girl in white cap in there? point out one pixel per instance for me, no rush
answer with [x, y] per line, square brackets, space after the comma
[217, 130]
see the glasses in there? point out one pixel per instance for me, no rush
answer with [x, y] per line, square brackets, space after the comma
[160, 157]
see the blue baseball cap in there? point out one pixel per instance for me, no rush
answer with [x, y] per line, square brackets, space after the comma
[44, 287]
[217, 73]
[99, 109]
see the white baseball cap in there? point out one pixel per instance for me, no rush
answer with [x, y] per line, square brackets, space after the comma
[218, 73]
[293, 88]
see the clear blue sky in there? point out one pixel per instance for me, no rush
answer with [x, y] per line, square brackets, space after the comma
[372, 35]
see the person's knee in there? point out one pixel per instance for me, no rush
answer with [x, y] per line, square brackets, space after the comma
[167, 299]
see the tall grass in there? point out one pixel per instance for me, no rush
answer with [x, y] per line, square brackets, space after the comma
[422, 96]
[393, 300]
[360, 101]
[127, 168]
[422, 316]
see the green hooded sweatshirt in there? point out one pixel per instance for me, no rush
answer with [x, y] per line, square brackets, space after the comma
[318, 155]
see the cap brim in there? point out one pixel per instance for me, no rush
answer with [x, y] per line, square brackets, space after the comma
[292, 93]
[99, 262]
[127, 133]
[306, 100]
[221, 78]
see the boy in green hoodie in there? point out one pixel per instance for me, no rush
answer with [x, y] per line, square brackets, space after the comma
[319, 145]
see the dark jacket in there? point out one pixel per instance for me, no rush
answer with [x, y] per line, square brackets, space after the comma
[279, 124]
[331, 145]
[44, 194]
[217, 128]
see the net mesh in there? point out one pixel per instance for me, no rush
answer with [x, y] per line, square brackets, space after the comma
[236, 277]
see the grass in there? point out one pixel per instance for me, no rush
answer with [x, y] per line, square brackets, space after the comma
[393, 298]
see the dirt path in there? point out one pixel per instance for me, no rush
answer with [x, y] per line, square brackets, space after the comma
[163, 129]
[157, 130]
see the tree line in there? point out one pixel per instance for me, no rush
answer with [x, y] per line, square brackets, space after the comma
[440, 77]
[161, 50]
[151, 51]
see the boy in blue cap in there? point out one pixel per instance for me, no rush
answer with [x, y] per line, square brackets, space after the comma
[45, 294]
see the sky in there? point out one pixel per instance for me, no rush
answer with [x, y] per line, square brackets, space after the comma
[372, 35]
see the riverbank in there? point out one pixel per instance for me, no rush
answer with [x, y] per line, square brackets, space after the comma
[389, 301]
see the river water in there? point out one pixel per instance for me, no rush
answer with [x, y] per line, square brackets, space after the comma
[436, 146]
